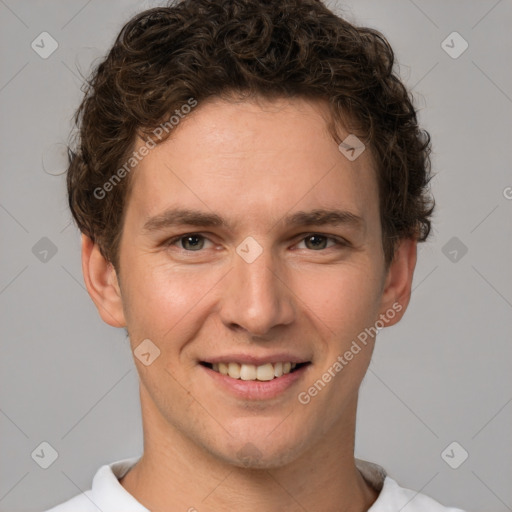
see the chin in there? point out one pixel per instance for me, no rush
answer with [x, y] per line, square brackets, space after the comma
[259, 440]
[261, 451]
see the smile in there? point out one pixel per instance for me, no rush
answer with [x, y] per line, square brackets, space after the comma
[248, 372]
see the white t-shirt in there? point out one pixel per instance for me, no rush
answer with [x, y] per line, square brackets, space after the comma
[108, 495]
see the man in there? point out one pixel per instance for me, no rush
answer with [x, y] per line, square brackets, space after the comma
[251, 184]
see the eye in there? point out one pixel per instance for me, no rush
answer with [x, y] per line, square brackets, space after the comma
[316, 242]
[190, 242]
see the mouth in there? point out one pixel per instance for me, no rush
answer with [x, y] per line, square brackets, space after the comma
[250, 372]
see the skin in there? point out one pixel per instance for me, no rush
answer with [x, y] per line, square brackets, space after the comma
[253, 163]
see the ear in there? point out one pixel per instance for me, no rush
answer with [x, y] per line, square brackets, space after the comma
[397, 285]
[101, 281]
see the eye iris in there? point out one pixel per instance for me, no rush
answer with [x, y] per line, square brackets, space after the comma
[318, 241]
[192, 242]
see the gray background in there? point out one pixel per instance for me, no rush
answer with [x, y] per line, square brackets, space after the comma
[441, 375]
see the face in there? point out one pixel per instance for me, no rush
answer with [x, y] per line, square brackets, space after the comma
[251, 257]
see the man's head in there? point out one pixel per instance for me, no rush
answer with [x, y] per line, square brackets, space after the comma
[246, 239]
[166, 58]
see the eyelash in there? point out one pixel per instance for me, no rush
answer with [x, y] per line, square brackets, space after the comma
[338, 241]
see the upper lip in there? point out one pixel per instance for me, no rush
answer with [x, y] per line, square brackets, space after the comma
[283, 357]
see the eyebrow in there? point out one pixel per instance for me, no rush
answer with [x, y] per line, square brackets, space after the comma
[318, 217]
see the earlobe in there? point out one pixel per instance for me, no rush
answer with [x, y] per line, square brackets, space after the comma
[101, 282]
[397, 287]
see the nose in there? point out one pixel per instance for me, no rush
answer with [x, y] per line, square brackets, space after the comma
[256, 297]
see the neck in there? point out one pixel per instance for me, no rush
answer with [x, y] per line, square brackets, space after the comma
[175, 474]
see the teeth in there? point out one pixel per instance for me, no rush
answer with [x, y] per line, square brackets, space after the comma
[264, 372]
[248, 372]
[234, 370]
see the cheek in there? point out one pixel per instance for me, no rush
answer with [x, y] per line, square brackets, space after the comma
[342, 301]
[158, 298]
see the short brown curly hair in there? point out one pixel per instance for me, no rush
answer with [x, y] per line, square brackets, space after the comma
[200, 49]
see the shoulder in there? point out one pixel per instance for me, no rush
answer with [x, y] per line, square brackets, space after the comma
[394, 497]
[106, 494]
[80, 503]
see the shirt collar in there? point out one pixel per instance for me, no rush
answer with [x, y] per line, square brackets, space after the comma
[108, 494]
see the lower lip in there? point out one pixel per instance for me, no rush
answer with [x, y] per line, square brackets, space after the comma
[256, 389]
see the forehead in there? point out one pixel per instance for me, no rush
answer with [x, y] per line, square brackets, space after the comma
[250, 157]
